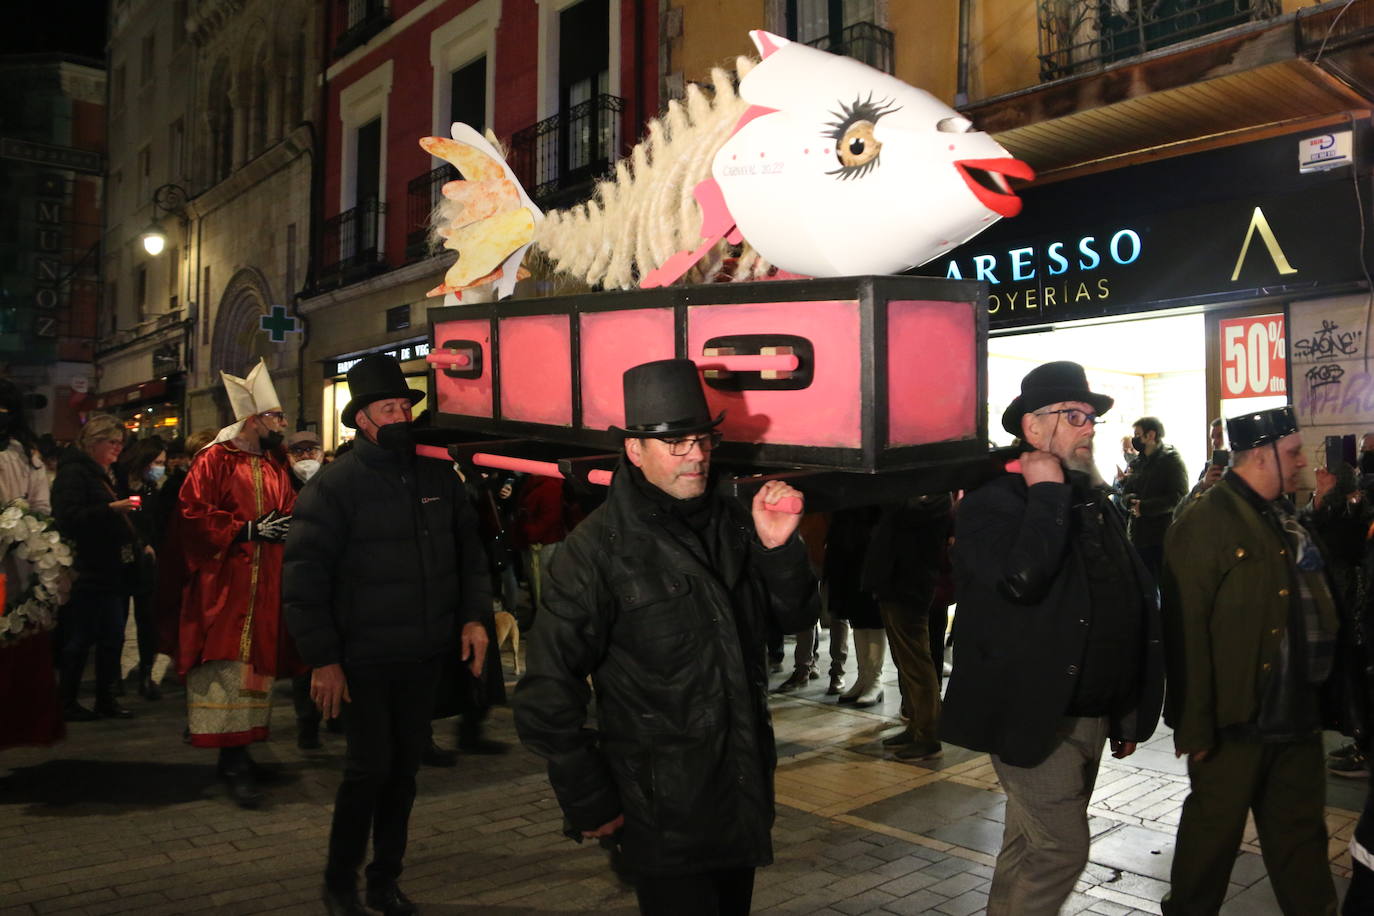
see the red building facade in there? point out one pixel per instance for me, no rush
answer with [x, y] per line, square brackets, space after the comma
[566, 86]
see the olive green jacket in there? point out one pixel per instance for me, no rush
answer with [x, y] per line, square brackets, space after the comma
[1228, 584]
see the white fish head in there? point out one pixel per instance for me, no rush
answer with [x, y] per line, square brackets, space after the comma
[840, 169]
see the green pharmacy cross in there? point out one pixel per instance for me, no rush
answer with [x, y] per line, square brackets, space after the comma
[278, 324]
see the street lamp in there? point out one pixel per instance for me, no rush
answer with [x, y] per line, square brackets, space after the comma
[154, 239]
[170, 198]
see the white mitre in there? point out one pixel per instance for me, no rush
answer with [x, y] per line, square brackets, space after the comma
[247, 397]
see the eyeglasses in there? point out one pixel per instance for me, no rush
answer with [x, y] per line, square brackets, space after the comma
[679, 447]
[1075, 416]
[273, 415]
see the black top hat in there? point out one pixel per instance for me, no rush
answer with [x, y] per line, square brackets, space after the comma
[1252, 430]
[375, 378]
[1052, 383]
[663, 399]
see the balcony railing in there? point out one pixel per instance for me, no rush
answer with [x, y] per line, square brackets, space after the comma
[349, 248]
[862, 41]
[422, 195]
[559, 159]
[1080, 36]
[362, 19]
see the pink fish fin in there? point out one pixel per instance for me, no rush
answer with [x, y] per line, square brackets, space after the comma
[716, 218]
[670, 270]
[750, 113]
[716, 223]
[767, 42]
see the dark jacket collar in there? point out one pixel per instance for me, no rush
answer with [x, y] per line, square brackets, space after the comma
[373, 455]
[1247, 493]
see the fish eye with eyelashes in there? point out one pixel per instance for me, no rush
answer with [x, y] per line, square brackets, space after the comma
[856, 147]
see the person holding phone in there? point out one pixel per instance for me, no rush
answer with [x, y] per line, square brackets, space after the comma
[1154, 483]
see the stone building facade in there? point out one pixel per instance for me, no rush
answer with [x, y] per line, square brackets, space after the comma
[215, 149]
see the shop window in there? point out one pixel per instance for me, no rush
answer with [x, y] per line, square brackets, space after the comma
[398, 318]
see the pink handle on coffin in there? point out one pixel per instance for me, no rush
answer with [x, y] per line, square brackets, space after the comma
[789, 504]
[520, 465]
[449, 360]
[786, 362]
[505, 463]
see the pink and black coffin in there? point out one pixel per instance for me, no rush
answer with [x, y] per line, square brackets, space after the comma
[888, 373]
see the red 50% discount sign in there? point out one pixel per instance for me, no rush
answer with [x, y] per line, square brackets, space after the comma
[1254, 359]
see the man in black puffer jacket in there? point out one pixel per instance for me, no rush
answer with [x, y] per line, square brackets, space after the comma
[382, 558]
[663, 597]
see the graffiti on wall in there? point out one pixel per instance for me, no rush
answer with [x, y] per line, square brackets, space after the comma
[1334, 386]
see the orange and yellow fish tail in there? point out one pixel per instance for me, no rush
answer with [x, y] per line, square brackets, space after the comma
[485, 216]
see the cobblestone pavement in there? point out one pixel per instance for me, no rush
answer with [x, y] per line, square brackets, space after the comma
[125, 818]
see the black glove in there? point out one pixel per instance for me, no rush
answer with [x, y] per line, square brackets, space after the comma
[270, 528]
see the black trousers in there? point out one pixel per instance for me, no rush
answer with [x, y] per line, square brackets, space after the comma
[387, 726]
[92, 618]
[727, 892]
[307, 713]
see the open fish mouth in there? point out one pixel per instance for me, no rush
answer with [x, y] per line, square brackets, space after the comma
[987, 179]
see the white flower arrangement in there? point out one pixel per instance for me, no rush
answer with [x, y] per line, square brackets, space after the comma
[44, 561]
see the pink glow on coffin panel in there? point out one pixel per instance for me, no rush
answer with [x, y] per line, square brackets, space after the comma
[932, 372]
[536, 369]
[463, 396]
[825, 414]
[611, 343]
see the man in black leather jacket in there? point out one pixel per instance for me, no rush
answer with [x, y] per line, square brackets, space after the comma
[1056, 640]
[382, 563]
[662, 597]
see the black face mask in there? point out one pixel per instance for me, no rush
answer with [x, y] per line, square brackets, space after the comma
[1138, 444]
[271, 440]
[1367, 462]
[397, 438]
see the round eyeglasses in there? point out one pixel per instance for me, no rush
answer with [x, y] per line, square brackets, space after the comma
[1075, 416]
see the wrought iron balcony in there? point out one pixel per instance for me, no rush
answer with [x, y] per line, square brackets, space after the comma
[862, 41]
[423, 194]
[361, 20]
[559, 159]
[1081, 36]
[348, 244]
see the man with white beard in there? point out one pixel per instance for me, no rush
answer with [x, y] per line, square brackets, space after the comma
[1057, 638]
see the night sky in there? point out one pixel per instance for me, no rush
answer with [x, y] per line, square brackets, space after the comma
[74, 26]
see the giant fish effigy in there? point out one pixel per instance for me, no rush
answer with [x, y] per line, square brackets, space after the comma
[820, 166]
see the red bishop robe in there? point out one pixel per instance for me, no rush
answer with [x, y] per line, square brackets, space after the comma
[231, 602]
